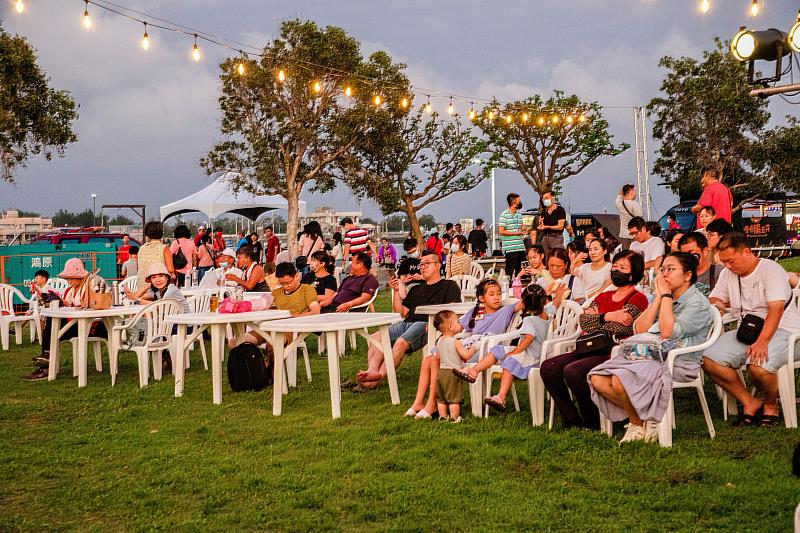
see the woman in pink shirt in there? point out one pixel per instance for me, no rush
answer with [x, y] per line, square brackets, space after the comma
[183, 241]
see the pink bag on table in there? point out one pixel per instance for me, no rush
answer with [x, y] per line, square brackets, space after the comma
[229, 306]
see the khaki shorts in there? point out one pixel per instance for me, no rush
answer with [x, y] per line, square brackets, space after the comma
[449, 389]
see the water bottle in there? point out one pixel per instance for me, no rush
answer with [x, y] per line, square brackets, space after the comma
[194, 277]
[115, 292]
[504, 288]
[516, 288]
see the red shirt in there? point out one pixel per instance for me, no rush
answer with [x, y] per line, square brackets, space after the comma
[719, 197]
[123, 253]
[218, 243]
[605, 303]
[434, 244]
[272, 248]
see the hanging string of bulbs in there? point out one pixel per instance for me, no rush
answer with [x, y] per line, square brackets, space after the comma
[754, 9]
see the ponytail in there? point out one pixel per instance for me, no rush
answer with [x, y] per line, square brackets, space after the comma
[480, 290]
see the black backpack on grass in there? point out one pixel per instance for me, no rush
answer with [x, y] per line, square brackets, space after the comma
[247, 369]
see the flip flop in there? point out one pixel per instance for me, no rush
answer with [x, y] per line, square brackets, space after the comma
[495, 403]
[349, 384]
[422, 414]
[361, 388]
[745, 420]
[770, 421]
[461, 374]
[411, 412]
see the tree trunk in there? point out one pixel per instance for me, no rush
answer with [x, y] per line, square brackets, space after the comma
[413, 221]
[293, 208]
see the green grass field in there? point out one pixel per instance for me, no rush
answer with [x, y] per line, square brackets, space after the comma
[125, 458]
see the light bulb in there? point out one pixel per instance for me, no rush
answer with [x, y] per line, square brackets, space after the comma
[705, 6]
[524, 117]
[570, 119]
[509, 119]
[240, 68]
[555, 119]
[582, 118]
[794, 35]
[541, 121]
[196, 52]
[377, 100]
[348, 91]
[755, 9]
[87, 20]
[450, 108]
[146, 40]
[317, 87]
[428, 107]
[472, 114]
[281, 76]
[20, 6]
[491, 116]
[404, 103]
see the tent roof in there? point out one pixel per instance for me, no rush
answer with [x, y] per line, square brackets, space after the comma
[219, 198]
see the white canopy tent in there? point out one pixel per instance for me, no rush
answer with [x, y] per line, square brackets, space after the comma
[219, 198]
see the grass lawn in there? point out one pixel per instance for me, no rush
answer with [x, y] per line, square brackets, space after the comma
[138, 459]
[792, 265]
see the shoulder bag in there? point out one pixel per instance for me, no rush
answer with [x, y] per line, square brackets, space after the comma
[751, 325]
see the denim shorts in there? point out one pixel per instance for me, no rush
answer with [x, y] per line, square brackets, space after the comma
[728, 351]
[414, 333]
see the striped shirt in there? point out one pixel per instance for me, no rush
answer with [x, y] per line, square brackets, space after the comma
[511, 222]
[357, 238]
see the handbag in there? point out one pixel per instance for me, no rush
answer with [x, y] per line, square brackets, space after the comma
[94, 299]
[597, 342]
[750, 325]
[179, 260]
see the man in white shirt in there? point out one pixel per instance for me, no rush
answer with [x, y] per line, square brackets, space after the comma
[758, 287]
[627, 208]
[652, 248]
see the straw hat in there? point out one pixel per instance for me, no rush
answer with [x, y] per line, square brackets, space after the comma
[157, 268]
[74, 268]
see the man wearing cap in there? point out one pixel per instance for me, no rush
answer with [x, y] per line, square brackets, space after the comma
[75, 296]
[199, 237]
[218, 242]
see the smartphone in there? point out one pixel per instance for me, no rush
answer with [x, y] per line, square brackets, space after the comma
[525, 264]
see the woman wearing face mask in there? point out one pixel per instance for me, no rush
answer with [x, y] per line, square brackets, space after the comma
[612, 312]
[596, 276]
[458, 261]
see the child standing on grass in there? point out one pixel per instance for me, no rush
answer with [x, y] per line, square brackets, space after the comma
[452, 354]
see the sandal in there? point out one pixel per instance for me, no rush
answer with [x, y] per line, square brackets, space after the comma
[749, 420]
[770, 421]
[461, 374]
[495, 403]
[361, 388]
[349, 384]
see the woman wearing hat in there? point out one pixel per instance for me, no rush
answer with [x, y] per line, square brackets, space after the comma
[75, 296]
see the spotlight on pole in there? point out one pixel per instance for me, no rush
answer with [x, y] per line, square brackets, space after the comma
[794, 35]
[767, 45]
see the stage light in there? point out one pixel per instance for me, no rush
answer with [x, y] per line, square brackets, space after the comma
[794, 36]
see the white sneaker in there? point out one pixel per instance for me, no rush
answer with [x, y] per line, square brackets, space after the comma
[632, 433]
[650, 431]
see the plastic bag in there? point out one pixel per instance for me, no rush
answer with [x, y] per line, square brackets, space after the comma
[262, 303]
[229, 306]
[647, 346]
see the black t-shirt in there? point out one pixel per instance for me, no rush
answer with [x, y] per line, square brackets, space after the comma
[323, 283]
[551, 219]
[477, 239]
[444, 291]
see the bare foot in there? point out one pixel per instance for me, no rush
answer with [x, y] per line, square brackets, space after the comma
[368, 378]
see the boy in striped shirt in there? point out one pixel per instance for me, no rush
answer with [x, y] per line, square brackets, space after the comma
[512, 233]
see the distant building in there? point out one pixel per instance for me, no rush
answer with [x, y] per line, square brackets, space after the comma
[23, 229]
[329, 219]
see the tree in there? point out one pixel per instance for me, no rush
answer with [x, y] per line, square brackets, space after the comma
[396, 223]
[427, 221]
[547, 141]
[368, 220]
[66, 218]
[121, 220]
[421, 161]
[284, 134]
[34, 118]
[707, 118]
[777, 157]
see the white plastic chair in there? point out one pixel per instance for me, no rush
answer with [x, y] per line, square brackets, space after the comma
[367, 307]
[466, 282]
[57, 285]
[490, 342]
[667, 424]
[129, 283]
[7, 316]
[158, 337]
[786, 381]
[199, 303]
[476, 271]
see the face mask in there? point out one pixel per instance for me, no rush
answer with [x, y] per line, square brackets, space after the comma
[455, 247]
[620, 279]
[223, 265]
[415, 255]
[547, 203]
[519, 205]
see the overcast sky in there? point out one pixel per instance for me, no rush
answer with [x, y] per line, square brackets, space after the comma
[147, 117]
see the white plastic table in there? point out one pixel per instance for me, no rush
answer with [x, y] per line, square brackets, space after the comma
[460, 308]
[330, 324]
[83, 319]
[217, 323]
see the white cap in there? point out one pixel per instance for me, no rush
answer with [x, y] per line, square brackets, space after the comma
[230, 252]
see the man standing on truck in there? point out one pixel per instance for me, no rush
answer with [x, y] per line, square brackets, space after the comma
[716, 195]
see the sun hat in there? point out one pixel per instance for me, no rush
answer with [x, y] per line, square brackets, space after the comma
[202, 227]
[74, 268]
[157, 268]
[230, 252]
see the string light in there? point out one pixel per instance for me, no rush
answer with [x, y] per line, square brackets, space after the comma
[404, 103]
[509, 119]
[348, 92]
[317, 87]
[240, 68]
[450, 108]
[19, 6]
[472, 111]
[540, 121]
[195, 50]
[755, 9]
[87, 20]
[555, 119]
[377, 100]
[428, 106]
[524, 117]
[281, 76]
[146, 39]
[705, 6]
[582, 118]
[491, 116]
[570, 119]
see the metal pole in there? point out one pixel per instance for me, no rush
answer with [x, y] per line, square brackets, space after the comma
[494, 220]
[769, 91]
[645, 164]
[94, 209]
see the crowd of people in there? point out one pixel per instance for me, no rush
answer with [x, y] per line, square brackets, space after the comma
[636, 289]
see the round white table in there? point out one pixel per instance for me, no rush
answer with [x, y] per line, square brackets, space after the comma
[217, 324]
[83, 319]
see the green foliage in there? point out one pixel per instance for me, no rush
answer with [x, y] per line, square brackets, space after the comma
[369, 220]
[544, 149]
[427, 221]
[281, 136]
[29, 214]
[34, 118]
[777, 157]
[67, 218]
[707, 118]
[420, 161]
[396, 223]
[120, 220]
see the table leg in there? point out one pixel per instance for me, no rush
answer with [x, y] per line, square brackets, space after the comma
[431, 336]
[83, 345]
[278, 347]
[55, 329]
[179, 366]
[333, 375]
[217, 346]
[389, 361]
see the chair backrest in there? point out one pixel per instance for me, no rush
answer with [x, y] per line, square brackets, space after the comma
[566, 322]
[7, 294]
[57, 285]
[476, 271]
[466, 282]
[200, 302]
[159, 332]
[129, 283]
[368, 303]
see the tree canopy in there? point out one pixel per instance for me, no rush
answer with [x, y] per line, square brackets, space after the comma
[34, 118]
[293, 119]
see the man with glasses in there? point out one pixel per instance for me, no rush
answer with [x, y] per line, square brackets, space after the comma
[652, 248]
[410, 334]
[696, 244]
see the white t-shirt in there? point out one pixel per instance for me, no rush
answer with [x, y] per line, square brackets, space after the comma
[591, 279]
[627, 209]
[651, 249]
[769, 282]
